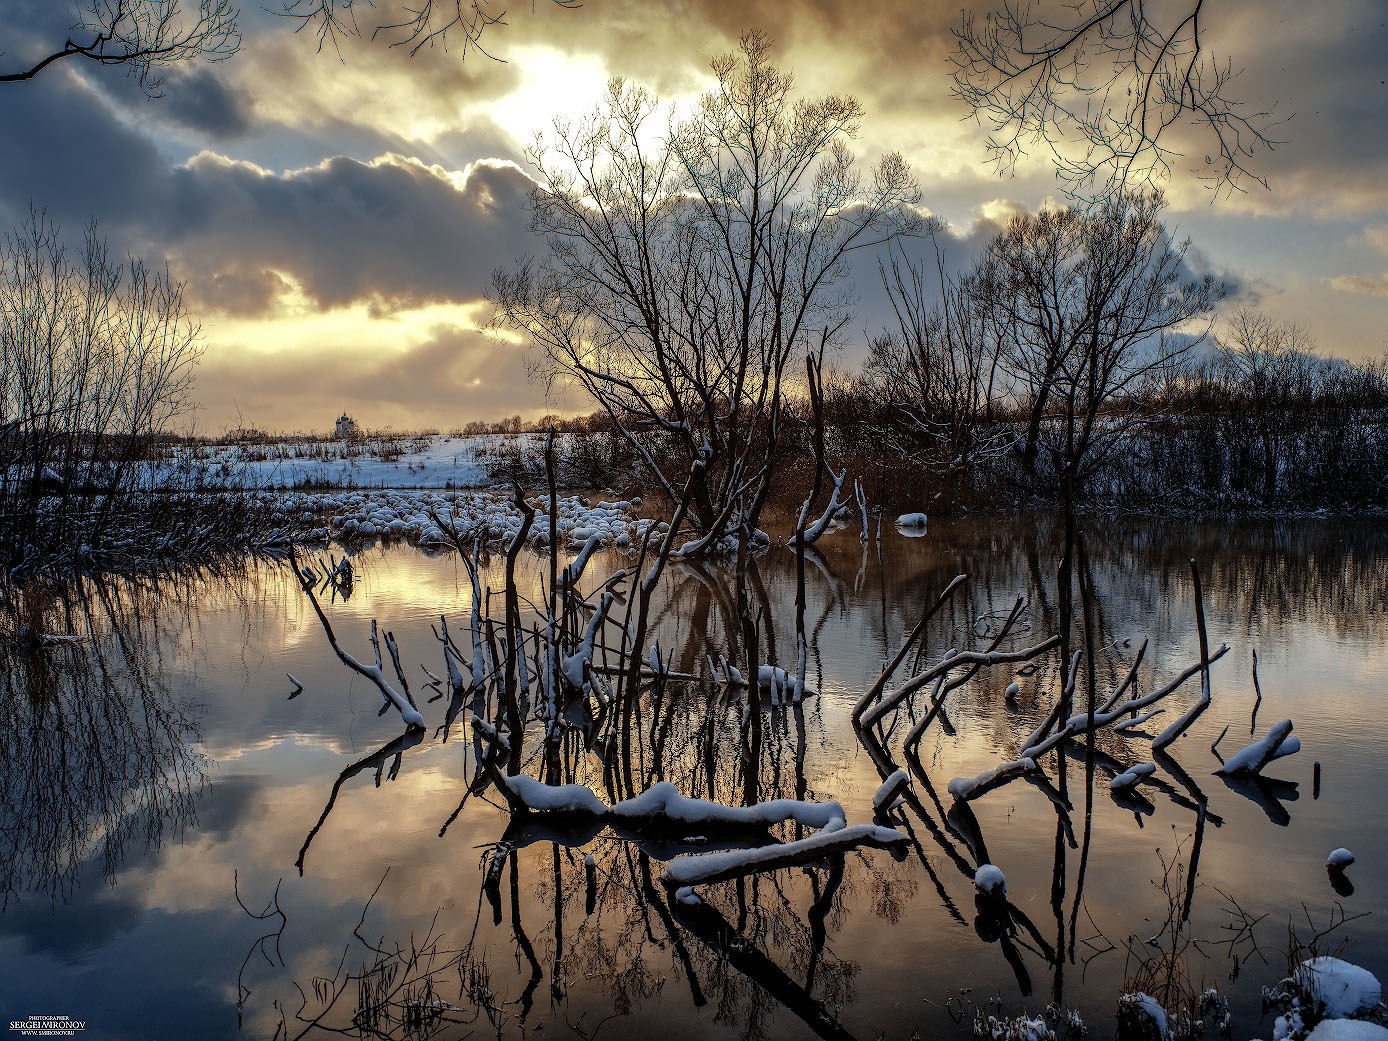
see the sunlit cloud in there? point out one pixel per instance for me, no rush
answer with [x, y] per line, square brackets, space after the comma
[321, 205]
[1373, 285]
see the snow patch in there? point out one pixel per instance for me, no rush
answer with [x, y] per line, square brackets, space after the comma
[1339, 858]
[989, 879]
[1343, 989]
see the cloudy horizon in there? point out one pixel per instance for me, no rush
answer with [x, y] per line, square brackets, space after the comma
[336, 216]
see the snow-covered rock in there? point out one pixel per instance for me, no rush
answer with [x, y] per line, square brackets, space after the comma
[1347, 1030]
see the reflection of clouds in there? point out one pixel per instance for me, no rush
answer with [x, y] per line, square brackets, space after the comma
[1307, 595]
[369, 830]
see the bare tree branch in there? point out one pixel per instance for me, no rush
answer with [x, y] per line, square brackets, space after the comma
[144, 37]
[1116, 90]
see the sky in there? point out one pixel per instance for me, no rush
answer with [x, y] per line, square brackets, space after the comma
[337, 212]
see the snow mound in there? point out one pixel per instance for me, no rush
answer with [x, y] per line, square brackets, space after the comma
[1343, 989]
[989, 879]
[1339, 858]
[911, 520]
[1146, 1007]
[1347, 1030]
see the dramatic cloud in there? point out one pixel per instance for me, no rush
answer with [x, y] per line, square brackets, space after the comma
[336, 214]
[393, 232]
[441, 376]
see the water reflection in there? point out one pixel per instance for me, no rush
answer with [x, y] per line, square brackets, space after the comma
[99, 755]
[482, 925]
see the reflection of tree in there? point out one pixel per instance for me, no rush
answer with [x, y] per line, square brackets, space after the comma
[578, 916]
[762, 944]
[99, 756]
[392, 752]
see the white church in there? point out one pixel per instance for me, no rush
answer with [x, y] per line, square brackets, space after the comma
[346, 428]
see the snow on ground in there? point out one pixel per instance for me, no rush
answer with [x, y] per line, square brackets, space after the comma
[1343, 988]
[421, 489]
[427, 461]
[1347, 1030]
[413, 515]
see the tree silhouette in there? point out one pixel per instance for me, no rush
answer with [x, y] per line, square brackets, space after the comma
[1117, 90]
[144, 37]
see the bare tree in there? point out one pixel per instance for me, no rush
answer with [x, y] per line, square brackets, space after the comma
[1095, 301]
[144, 37]
[96, 359]
[1116, 90]
[1271, 369]
[685, 271]
[939, 367]
[414, 25]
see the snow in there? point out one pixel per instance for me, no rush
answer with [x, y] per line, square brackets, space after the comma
[1014, 1028]
[562, 798]
[1151, 1008]
[964, 787]
[1252, 758]
[1347, 1030]
[430, 461]
[352, 516]
[990, 879]
[811, 533]
[663, 799]
[692, 869]
[1130, 777]
[391, 485]
[1013, 689]
[889, 794]
[911, 520]
[1342, 988]
[779, 682]
[1339, 858]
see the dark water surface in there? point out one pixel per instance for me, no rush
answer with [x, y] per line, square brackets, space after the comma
[147, 768]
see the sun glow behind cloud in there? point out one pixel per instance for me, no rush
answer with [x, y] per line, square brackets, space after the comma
[553, 84]
[358, 203]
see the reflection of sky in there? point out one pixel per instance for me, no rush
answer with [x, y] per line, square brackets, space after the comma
[157, 954]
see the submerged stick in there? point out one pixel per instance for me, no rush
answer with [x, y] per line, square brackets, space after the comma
[875, 691]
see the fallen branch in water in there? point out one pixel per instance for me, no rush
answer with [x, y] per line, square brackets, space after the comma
[707, 868]
[662, 808]
[1251, 759]
[375, 673]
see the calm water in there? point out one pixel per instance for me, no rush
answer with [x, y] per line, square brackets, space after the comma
[155, 772]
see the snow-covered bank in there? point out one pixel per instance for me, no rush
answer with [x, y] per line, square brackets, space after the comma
[425, 461]
[435, 518]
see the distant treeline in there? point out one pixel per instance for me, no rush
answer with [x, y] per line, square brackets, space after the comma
[1240, 428]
